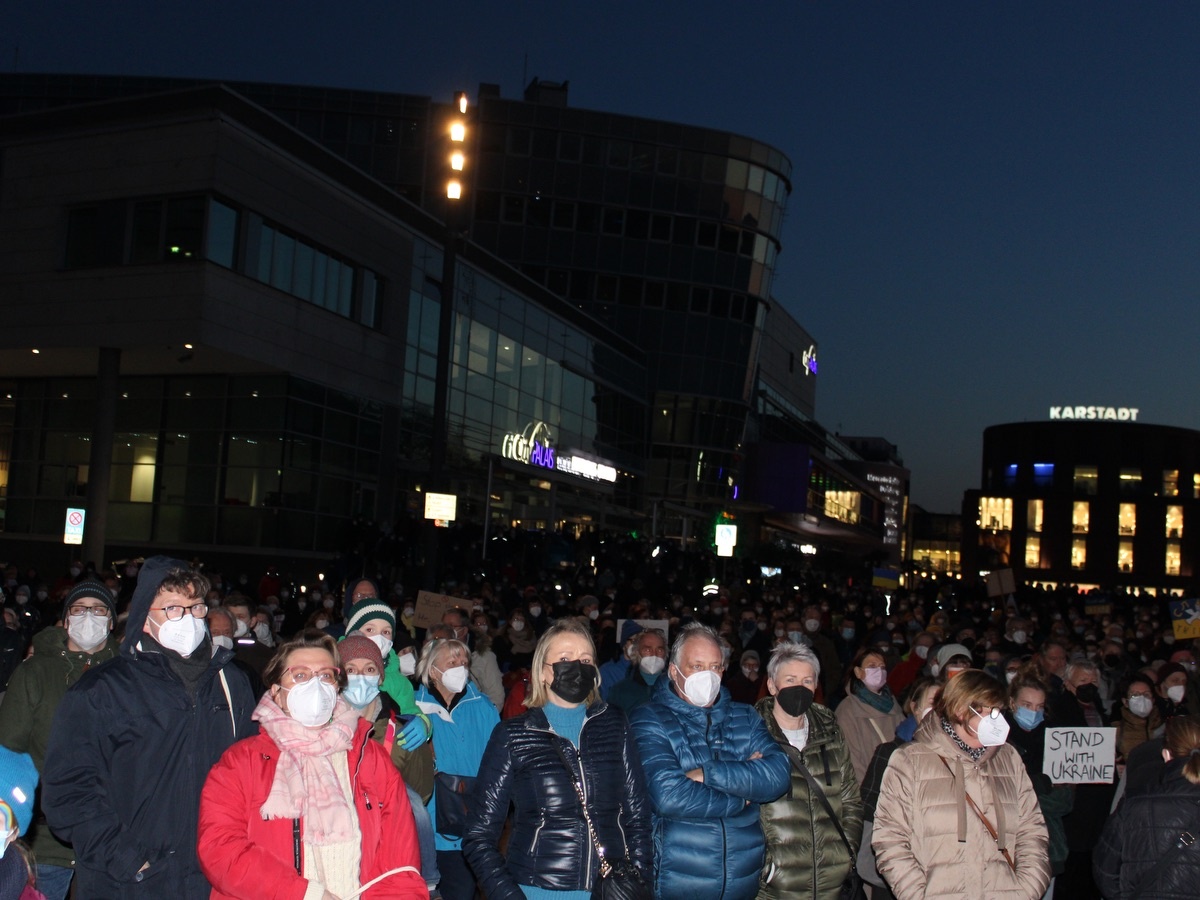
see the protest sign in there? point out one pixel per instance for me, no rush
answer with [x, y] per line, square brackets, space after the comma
[1185, 619]
[430, 606]
[1080, 755]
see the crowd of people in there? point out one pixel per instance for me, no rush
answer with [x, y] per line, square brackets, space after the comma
[686, 725]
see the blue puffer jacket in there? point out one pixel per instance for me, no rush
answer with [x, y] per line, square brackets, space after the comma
[707, 838]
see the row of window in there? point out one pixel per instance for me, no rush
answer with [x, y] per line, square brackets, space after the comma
[1034, 558]
[567, 146]
[996, 514]
[1086, 479]
[620, 221]
[186, 229]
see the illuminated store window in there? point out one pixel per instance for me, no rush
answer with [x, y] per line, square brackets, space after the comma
[1080, 515]
[995, 513]
[1170, 483]
[1196, 486]
[1033, 552]
[1130, 481]
[1171, 565]
[1078, 553]
[1085, 480]
[1033, 515]
[1127, 519]
[1174, 521]
[1125, 556]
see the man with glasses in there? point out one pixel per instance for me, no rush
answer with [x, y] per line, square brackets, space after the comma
[132, 742]
[61, 654]
[709, 763]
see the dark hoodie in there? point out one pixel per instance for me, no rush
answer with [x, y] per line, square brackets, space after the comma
[129, 751]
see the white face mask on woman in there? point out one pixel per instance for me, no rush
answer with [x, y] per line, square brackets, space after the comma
[454, 679]
[311, 703]
[993, 729]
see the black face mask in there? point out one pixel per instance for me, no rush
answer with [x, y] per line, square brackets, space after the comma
[573, 680]
[1088, 693]
[795, 700]
[1112, 660]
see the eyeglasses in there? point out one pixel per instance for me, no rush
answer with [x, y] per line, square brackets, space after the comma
[175, 613]
[302, 675]
[100, 612]
[693, 669]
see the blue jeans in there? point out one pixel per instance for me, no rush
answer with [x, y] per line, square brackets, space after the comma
[54, 881]
[429, 866]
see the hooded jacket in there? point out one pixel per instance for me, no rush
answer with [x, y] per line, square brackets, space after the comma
[928, 842]
[707, 836]
[248, 856]
[128, 754]
[34, 692]
[1139, 836]
[549, 846]
[806, 856]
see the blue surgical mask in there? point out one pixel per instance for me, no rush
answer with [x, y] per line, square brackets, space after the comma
[361, 690]
[1027, 718]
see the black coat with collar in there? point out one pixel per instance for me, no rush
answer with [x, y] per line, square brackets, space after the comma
[549, 846]
[1136, 846]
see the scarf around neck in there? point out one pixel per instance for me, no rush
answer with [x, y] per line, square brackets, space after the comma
[883, 701]
[306, 784]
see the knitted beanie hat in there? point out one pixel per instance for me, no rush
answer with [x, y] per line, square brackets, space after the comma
[365, 610]
[18, 781]
[90, 588]
[359, 647]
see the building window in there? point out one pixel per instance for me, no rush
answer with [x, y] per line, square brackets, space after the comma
[1078, 553]
[1130, 482]
[1196, 486]
[221, 246]
[1127, 519]
[1080, 513]
[1033, 515]
[1170, 483]
[1174, 521]
[1171, 564]
[1125, 556]
[1033, 552]
[1086, 478]
[995, 513]
[1043, 474]
[1010, 475]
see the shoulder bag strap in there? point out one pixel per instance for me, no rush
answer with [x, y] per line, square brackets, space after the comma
[1186, 839]
[229, 700]
[605, 866]
[815, 789]
[982, 818]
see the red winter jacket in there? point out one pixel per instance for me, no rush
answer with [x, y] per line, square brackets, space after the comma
[245, 857]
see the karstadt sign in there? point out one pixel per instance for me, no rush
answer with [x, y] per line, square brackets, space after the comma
[1113, 413]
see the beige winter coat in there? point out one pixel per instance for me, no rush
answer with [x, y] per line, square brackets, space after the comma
[930, 843]
[865, 728]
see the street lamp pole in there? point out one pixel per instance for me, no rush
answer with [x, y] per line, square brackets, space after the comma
[454, 219]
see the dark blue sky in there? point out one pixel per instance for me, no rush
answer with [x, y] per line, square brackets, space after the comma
[995, 208]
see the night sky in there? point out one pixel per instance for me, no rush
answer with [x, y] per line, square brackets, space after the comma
[995, 208]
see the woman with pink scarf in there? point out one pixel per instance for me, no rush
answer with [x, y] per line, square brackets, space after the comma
[310, 808]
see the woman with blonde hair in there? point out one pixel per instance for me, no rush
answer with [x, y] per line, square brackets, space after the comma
[570, 770]
[1146, 847]
[957, 816]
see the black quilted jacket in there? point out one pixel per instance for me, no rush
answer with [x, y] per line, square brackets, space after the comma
[1136, 846]
[549, 845]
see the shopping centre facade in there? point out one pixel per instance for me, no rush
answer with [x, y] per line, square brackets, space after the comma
[229, 299]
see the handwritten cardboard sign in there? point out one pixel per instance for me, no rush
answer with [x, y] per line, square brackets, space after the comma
[430, 606]
[1185, 619]
[1080, 755]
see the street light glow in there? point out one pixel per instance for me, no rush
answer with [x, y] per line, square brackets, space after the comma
[454, 190]
[456, 160]
[458, 132]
